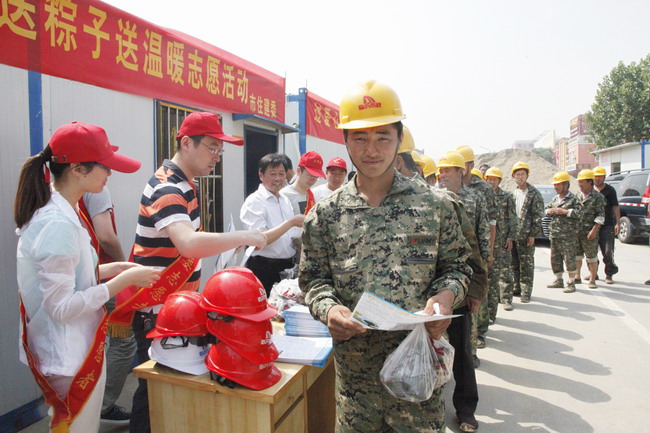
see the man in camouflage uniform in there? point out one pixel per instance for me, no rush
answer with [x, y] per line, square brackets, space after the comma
[474, 182]
[563, 210]
[463, 329]
[380, 233]
[501, 282]
[530, 208]
[592, 217]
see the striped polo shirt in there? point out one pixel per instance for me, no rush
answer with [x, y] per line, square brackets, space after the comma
[168, 197]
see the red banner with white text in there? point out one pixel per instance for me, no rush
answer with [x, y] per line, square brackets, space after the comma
[322, 119]
[95, 43]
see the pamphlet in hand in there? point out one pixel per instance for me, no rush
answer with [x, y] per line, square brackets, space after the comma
[374, 312]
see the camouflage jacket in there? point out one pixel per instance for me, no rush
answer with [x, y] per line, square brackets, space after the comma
[478, 283]
[394, 250]
[592, 210]
[564, 226]
[529, 225]
[507, 216]
[486, 191]
[477, 213]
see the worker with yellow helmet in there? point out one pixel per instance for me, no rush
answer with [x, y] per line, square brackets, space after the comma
[419, 161]
[406, 161]
[592, 217]
[611, 228]
[501, 281]
[429, 170]
[451, 167]
[375, 227]
[563, 211]
[530, 209]
[473, 180]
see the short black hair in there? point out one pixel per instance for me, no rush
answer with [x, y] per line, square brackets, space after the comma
[288, 165]
[409, 161]
[398, 125]
[195, 138]
[484, 165]
[271, 160]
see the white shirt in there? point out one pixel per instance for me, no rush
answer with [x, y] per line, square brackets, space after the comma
[263, 211]
[298, 200]
[321, 191]
[58, 286]
[520, 196]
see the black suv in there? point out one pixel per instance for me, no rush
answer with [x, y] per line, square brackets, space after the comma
[633, 192]
[548, 192]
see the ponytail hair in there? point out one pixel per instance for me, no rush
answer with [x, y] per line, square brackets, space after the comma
[33, 190]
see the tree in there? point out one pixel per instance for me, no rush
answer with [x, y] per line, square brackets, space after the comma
[546, 153]
[621, 111]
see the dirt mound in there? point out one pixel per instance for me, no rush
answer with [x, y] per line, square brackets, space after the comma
[541, 171]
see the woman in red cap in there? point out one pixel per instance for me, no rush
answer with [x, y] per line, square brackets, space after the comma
[62, 303]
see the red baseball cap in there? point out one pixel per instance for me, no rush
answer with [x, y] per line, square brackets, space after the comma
[205, 123]
[313, 163]
[339, 162]
[83, 142]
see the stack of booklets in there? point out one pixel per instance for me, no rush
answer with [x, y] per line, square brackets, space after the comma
[303, 350]
[299, 323]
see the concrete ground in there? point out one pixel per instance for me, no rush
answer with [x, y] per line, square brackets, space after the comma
[565, 363]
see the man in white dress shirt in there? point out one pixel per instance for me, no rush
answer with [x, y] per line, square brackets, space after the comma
[269, 209]
[335, 173]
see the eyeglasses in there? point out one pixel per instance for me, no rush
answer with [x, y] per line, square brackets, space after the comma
[213, 150]
[186, 341]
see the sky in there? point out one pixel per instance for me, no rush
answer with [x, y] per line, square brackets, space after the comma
[468, 72]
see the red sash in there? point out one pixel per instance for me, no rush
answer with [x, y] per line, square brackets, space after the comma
[83, 211]
[133, 298]
[82, 385]
[311, 201]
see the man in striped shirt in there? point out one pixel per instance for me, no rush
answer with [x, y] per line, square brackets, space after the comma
[169, 224]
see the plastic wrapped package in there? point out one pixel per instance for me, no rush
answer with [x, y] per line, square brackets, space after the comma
[418, 366]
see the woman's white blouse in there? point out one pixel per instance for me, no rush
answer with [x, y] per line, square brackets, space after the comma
[58, 286]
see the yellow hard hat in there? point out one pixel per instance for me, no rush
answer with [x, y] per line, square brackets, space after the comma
[451, 159]
[477, 172]
[600, 171]
[429, 166]
[520, 165]
[408, 144]
[586, 174]
[370, 104]
[561, 176]
[494, 172]
[418, 159]
[467, 153]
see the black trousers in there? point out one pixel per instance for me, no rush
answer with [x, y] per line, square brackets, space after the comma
[142, 324]
[466, 391]
[268, 270]
[606, 240]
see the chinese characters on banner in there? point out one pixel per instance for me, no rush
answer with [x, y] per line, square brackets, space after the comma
[95, 43]
[322, 119]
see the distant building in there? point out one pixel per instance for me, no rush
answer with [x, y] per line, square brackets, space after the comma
[627, 156]
[561, 152]
[544, 139]
[524, 144]
[579, 147]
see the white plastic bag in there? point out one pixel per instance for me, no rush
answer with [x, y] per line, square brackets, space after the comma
[418, 366]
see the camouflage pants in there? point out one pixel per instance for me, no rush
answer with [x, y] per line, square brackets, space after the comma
[563, 251]
[587, 247]
[363, 405]
[523, 267]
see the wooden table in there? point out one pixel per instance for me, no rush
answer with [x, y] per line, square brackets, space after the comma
[302, 401]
